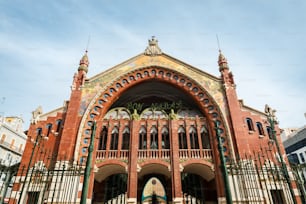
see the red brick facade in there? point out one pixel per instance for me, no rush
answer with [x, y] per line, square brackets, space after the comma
[171, 142]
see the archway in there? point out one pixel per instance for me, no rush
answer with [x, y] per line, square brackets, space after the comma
[153, 192]
[193, 94]
[110, 190]
[105, 99]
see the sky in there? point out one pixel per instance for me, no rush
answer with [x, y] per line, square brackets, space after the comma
[41, 43]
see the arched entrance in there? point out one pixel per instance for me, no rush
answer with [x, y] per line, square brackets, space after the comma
[111, 190]
[153, 192]
[198, 190]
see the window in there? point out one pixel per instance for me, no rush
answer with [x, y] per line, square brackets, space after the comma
[154, 138]
[165, 138]
[20, 147]
[3, 138]
[103, 139]
[260, 129]
[49, 127]
[142, 138]
[126, 138]
[114, 141]
[302, 157]
[250, 124]
[39, 131]
[58, 125]
[182, 138]
[205, 138]
[194, 144]
[270, 134]
[293, 158]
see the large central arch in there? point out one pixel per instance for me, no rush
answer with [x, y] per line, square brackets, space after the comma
[103, 100]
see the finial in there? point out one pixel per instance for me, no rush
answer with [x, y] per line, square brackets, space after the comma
[222, 61]
[218, 43]
[84, 62]
[153, 48]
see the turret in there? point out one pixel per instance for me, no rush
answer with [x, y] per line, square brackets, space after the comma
[84, 63]
[72, 120]
[227, 76]
[80, 76]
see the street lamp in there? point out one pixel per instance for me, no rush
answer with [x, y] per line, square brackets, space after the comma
[273, 121]
[223, 164]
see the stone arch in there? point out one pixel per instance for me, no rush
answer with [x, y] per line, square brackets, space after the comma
[152, 166]
[102, 101]
[201, 168]
[109, 168]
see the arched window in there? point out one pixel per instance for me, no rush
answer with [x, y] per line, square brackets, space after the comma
[12, 143]
[126, 138]
[49, 127]
[154, 138]
[58, 125]
[103, 139]
[39, 131]
[205, 138]
[114, 141]
[250, 124]
[165, 138]
[194, 142]
[270, 134]
[260, 129]
[3, 138]
[142, 138]
[182, 137]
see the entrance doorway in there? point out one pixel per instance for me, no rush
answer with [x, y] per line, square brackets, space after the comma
[153, 192]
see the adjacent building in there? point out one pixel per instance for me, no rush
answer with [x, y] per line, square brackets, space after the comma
[12, 144]
[153, 129]
[295, 147]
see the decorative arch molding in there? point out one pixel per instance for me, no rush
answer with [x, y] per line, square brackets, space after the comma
[151, 166]
[201, 162]
[112, 162]
[109, 169]
[154, 161]
[103, 100]
[204, 169]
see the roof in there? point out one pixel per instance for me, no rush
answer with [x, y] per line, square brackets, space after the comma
[296, 137]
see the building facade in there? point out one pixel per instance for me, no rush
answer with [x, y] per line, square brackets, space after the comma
[152, 129]
[12, 144]
[295, 147]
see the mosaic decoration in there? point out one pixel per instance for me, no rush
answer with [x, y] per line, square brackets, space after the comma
[211, 83]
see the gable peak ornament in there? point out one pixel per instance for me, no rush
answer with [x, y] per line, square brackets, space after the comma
[153, 48]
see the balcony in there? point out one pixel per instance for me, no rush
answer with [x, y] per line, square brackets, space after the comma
[154, 154]
[10, 147]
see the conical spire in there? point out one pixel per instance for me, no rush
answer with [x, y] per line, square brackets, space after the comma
[84, 63]
[222, 61]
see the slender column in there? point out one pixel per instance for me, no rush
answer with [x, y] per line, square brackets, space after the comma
[132, 168]
[120, 137]
[148, 137]
[159, 135]
[198, 128]
[175, 165]
[108, 137]
[187, 126]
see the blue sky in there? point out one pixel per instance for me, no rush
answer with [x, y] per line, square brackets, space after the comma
[41, 43]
